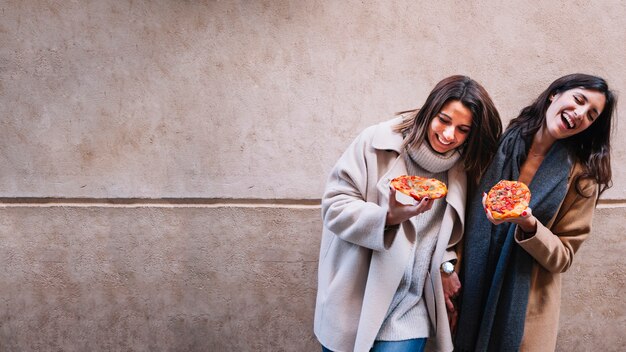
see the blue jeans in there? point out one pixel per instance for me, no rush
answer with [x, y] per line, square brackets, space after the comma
[413, 345]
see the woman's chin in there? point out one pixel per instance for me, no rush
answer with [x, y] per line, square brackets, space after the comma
[440, 148]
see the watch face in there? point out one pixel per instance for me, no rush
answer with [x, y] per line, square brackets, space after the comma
[447, 267]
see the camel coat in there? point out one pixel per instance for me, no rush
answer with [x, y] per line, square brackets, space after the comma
[553, 248]
[360, 263]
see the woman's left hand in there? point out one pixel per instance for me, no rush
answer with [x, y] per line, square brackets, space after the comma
[451, 290]
[526, 221]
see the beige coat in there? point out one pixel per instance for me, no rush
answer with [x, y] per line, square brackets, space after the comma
[553, 248]
[360, 264]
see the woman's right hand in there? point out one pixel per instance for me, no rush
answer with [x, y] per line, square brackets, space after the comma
[526, 221]
[398, 212]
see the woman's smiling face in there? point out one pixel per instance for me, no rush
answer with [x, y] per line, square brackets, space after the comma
[450, 128]
[573, 111]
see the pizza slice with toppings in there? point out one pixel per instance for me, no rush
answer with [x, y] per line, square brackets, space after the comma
[507, 199]
[420, 187]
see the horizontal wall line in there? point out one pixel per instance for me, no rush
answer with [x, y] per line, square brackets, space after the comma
[612, 203]
[194, 202]
[158, 202]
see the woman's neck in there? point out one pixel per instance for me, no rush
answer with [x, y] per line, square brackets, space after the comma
[542, 142]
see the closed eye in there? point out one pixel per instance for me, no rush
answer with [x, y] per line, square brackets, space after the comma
[592, 116]
[579, 100]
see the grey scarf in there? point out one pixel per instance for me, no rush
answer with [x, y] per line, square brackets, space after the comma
[430, 160]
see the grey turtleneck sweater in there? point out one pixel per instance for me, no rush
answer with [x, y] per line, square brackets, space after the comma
[407, 317]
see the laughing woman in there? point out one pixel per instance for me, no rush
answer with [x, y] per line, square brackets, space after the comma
[560, 147]
[379, 284]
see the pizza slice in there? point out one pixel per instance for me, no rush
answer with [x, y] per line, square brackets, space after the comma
[420, 187]
[507, 199]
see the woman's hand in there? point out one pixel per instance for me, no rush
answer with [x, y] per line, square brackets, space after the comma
[451, 289]
[526, 221]
[398, 212]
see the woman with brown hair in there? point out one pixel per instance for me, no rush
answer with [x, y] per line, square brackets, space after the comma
[379, 278]
[560, 147]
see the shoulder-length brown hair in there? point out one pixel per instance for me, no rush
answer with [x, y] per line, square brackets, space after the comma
[482, 142]
[591, 147]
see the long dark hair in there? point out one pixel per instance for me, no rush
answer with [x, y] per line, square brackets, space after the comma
[482, 142]
[591, 147]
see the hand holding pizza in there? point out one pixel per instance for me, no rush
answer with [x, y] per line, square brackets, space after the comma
[422, 189]
[398, 212]
[508, 201]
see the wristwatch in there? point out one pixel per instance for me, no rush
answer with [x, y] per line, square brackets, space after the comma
[447, 268]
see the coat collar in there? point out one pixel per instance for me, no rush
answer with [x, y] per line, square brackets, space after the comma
[385, 138]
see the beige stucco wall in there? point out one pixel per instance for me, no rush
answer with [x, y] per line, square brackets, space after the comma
[162, 161]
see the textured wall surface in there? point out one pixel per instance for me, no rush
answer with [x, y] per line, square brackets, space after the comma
[162, 161]
[113, 278]
[104, 278]
[181, 98]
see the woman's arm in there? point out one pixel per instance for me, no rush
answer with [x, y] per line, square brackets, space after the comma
[554, 248]
[345, 209]
[345, 212]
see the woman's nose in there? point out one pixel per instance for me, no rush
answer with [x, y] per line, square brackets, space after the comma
[448, 132]
[580, 112]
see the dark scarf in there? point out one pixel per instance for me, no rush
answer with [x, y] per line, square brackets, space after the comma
[496, 271]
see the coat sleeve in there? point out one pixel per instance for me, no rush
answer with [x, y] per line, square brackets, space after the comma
[454, 249]
[345, 212]
[554, 247]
